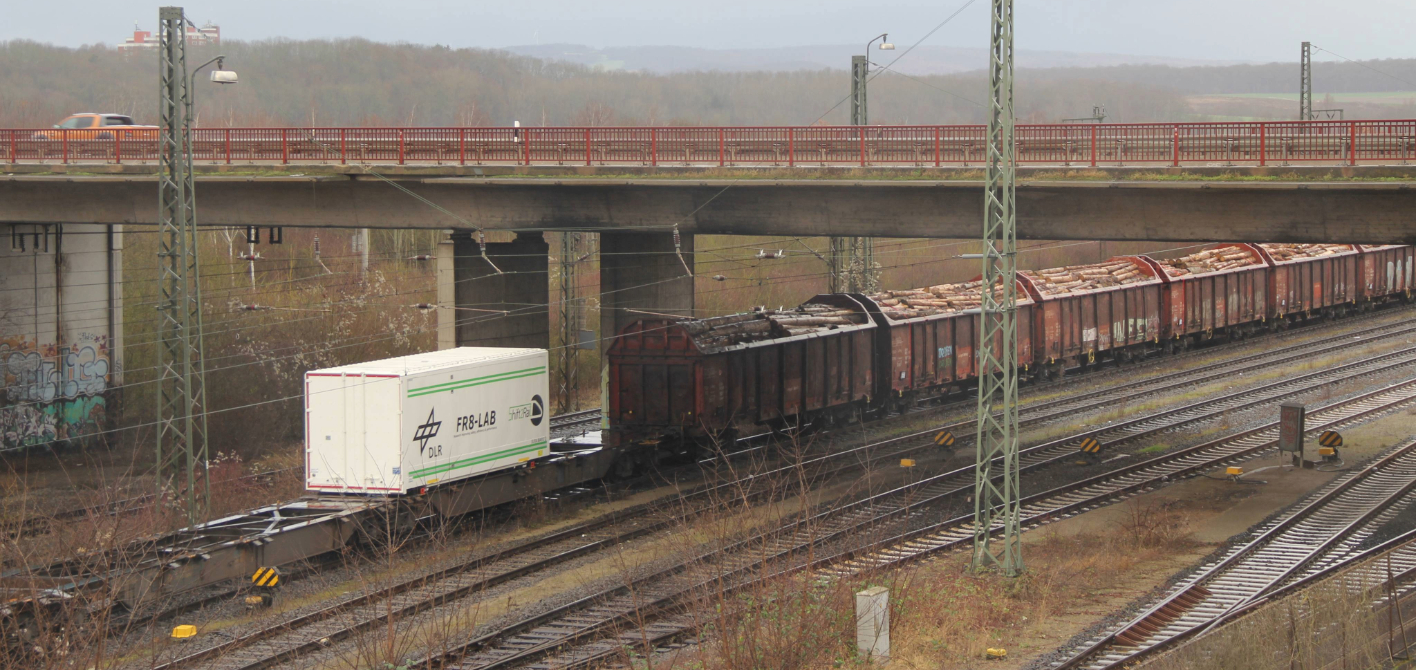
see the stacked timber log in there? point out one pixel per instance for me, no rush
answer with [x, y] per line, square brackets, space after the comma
[1291, 252]
[941, 299]
[1083, 278]
[764, 324]
[1210, 260]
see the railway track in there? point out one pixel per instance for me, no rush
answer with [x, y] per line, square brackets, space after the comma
[39, 525]
[949, 536]
[571, 423]
[531, 642]
[291, 638]
[1324, 532]
[1386, 572]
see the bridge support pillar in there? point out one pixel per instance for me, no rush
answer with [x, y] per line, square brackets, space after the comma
[641, 275]
[498, 310]
[445, 259]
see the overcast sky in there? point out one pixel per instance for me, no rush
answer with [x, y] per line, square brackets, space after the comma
[1253, 30]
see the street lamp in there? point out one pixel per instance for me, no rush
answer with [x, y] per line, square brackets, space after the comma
[852, 259]
[860, 73]
[218, 76]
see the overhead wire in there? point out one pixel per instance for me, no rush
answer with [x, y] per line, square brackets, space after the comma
[904, 53]
[538, 307]
[1364, 65]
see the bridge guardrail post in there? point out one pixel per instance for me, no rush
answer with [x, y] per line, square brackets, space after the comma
[461, 146]
[14, 149]
[587, 146]
[862, 146]
[1263, 144]
[64, 143]
[791, 148]
[526, 148]
[654, 147]
[1093, 151]
[343, 156]
[400, 146]
[284, 149]
[722, 146]
[117, 148]
[938, 145]
[1175, 145]
[1352, 143]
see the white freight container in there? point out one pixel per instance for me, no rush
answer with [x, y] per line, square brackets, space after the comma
[388, 427]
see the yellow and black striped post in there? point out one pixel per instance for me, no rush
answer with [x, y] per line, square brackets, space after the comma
[265, 581]
[1090, 445]
[1330, 438]
[944, 439]
[267, 578]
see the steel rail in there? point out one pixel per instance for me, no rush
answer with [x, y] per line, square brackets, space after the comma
[1372, 334]
[1399, 552]
[1250, 567]
[306, 519]
[1038, 509]
[615, 600]
[586, 538]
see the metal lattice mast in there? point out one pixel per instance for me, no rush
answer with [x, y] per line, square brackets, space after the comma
[181, 450]
[838, 260]
[571, 320]
[1305, 85]
[996, 490]
[853, 258]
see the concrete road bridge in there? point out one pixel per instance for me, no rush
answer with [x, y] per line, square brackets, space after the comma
[66, 196]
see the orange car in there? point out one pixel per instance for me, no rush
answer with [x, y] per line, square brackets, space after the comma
[101, 127]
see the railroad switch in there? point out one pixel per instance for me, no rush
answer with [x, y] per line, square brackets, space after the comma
[184, 632]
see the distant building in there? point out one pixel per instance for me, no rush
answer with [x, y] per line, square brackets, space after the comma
[141, 40]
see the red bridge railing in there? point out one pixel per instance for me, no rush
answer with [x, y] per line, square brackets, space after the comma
[1140, 144]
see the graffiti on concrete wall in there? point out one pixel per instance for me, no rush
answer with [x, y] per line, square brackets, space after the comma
[53, 391]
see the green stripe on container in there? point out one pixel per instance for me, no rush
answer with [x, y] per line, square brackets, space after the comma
[475, 381]
[478, 460]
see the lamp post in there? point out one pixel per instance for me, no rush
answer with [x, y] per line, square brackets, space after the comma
[181, 446]
[860, 73]
[852, 259]
[218, 76]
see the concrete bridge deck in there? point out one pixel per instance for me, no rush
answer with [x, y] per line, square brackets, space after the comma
[1335, 204]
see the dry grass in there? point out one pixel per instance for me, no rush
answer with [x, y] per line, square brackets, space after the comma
[1327, 626]
[942, 614]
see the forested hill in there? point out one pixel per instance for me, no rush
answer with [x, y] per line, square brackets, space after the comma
[358, 82]
[1329, 76]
